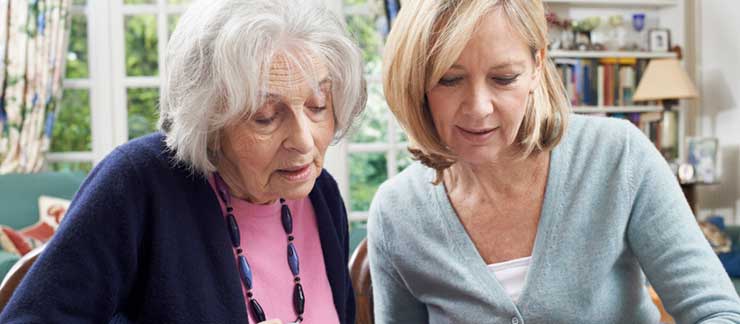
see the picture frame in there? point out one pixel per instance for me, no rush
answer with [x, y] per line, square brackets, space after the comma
[659, 40]
[703, 156]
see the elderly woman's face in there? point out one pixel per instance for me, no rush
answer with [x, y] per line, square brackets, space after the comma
[279, 151]
[479, 103]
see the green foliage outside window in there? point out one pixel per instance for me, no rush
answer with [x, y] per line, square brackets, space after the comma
[366, 172]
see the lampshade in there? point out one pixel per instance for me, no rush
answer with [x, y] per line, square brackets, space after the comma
[664, 79]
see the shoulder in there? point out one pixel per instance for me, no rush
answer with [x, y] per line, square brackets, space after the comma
[413, 186]
[139, 168]
[403, 201]
[594, 130]
[601, 139]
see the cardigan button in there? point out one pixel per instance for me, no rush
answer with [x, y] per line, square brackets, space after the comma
[514, 320]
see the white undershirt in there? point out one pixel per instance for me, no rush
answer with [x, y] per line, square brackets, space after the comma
[511, 275]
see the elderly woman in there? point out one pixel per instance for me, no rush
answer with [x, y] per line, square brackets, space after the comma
[205, 221]
[520, 212]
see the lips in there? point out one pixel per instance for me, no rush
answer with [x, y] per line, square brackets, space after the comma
[296, 173]
[476, 135]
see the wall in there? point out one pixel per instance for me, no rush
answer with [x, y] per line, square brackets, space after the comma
[718, 77]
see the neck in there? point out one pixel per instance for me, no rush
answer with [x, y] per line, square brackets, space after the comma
[236, 185]
[507, 177]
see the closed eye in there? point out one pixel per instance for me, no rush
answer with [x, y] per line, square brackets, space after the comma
[505, 80]
[450, 81]
[317, 109]
[265, 121]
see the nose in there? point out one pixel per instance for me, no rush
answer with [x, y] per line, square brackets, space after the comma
[480, 102]
[300, 136]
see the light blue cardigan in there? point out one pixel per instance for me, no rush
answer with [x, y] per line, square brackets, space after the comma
[612, 210]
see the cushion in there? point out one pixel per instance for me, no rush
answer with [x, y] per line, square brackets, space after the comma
[51, 212]
[14, 242]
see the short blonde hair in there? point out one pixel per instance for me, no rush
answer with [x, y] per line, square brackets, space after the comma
[217, 68]
[427, 38]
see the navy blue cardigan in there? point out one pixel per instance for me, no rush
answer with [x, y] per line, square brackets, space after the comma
[143, 241]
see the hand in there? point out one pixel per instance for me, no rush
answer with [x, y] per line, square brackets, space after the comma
[272, 321]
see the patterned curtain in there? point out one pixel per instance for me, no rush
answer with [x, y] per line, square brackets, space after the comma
[33, 42]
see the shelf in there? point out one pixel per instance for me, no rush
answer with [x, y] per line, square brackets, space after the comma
[616, 3]
[616, 109]
[606, 54]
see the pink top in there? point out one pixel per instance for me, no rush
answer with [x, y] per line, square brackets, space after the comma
[265, 245]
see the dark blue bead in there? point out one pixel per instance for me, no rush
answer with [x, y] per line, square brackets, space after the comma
[246, 271]
[257, 311]
[299, 299]
[287, 219]
[233, 230]
[293, 259]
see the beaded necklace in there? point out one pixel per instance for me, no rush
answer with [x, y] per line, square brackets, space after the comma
[245, 271]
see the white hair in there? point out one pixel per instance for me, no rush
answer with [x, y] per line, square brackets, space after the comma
[218, 61]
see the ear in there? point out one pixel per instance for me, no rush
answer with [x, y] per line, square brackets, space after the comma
[539, 64]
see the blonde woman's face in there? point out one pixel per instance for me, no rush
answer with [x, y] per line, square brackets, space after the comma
[479, 103]
[279, 151]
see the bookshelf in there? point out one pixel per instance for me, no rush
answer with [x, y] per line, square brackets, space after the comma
[615, 3]
[610, 54]
[603, 82]
[616, 109]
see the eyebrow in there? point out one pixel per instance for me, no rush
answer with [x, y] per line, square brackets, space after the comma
[502, 66]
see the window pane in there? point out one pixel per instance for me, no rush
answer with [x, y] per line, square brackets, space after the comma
[374, 121]
[403, 159]
[357, 232]
[71, 131]
[77, 50]
[365, 30]
[366, 172]
[142, 111]
[84, 167]
[79, 2]
[141, 46]
[139, 1]
[179, 2]
[172, 23]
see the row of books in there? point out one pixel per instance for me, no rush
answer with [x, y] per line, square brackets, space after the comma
[601, 82]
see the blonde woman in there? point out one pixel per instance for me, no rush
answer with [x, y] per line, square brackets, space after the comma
[520, 212]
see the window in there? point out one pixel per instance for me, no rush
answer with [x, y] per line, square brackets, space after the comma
[377, 150]
[72, 136]
[111, 86]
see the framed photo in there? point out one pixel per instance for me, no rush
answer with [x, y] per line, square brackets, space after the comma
[703, 157]
[659, 40]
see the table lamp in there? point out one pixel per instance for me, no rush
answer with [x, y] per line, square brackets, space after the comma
[665, 81]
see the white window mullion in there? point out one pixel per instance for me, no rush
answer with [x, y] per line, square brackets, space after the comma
[141, 82]
[70, 157]
[119, 125]
[162, 38]
[137, 9]
[99, 14]
[76, 83]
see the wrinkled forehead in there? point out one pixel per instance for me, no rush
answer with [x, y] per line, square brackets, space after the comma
[291, 71]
